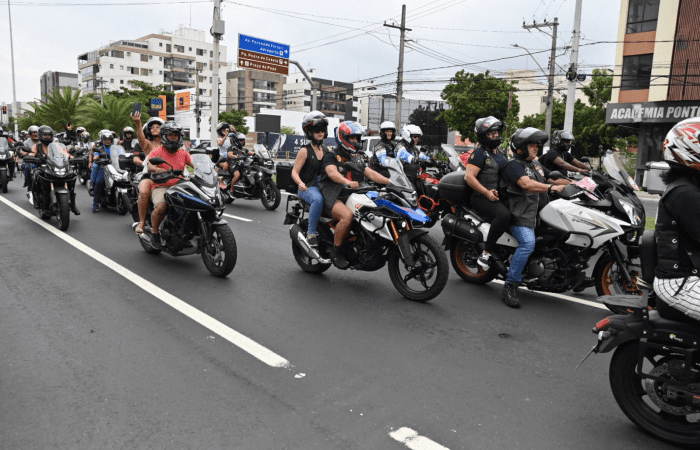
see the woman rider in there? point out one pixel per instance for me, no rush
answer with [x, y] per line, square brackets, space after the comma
[307, 170]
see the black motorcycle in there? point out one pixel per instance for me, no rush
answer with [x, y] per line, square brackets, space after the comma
[80, 162]
[192, 223]
[256, 179]
[117, 181]
[655, 369]
[53, 181]
[7, 160]
[131, 196]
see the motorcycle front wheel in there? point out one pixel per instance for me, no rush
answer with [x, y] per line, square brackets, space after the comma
[271, 196]
[609, 279]
[3, 181]
[220, 252]
[647, 402]
[83, 177]
[424, 282]
[121, 205]
[463, 256]
[63, 212]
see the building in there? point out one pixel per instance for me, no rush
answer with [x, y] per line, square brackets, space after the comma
[52, 80]
[379, 108]
[657, 71]
[253, 90]
[334, 98]
[179, 60]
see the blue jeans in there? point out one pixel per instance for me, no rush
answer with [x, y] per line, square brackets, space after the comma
[97, 179]
[526, 241]
[314, 198]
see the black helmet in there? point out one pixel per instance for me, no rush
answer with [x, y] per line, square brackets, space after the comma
[314, 121]
[561, 140]
[484, 126]
[46, 130]
[240, 139]
[147, 126]
[221, 127]
[525, 136]
[166, 130]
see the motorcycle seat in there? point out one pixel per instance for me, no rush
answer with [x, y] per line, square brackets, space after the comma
[661, 323]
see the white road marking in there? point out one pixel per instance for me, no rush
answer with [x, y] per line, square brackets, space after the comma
[567, 298]
[237, 218]
[413, 441]
[243, 342]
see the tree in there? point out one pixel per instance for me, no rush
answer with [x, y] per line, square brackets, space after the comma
[433, 127]
[114, 115]
[472, 96]
[59, 108]
[235, 118]
[287, 130]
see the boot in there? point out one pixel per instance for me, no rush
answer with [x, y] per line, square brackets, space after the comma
[338, 258]
[510, 295]
[73, 208]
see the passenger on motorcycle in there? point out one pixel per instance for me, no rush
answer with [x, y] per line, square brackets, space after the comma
[97, 180]
[223, 129]
[484, 169]
[236, 150]
[31, 141]
[149, 139]
[307, 170]
[526, 179]
[408, 152]
[127, 141]
[559, 156]
[174, 153]
[41, 150]
[676, 279]
[71, 135]
[344, 168]
[385, 148]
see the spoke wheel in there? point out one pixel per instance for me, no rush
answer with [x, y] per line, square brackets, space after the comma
[427, 278]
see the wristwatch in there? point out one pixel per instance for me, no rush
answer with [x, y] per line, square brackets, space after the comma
[549, 189]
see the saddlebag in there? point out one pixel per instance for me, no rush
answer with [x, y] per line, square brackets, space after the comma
[452, 187]
[461, 228]
[284, 177]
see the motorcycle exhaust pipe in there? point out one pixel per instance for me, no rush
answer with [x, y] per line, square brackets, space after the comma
[461, 228]
[300, 240]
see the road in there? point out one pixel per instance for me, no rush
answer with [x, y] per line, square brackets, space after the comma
[105, 346]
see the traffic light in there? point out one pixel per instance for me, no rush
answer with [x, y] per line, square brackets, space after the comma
[4, 109]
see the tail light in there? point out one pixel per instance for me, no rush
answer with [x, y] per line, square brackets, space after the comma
[602, 324]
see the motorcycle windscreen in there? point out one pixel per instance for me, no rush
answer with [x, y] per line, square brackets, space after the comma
[262, 151]
[452, 156]
[397, 176]
[613, 165]
[4, 144]
[57, 156]
[204, 169]
[114, 153]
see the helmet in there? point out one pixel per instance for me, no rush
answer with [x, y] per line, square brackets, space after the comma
[681, 147]
[85, 135]
[147, 126]
[167, 129]
[23, 134]
[347, 129]
[484, 126]
[314, 121]
[387, 125]
[525, 136]
[128, 130]
[45, 130]
[33, 129]
[105, 135]
[410, 130]
[240, 139]
[80, 130]
[560, 138]
[221, 127]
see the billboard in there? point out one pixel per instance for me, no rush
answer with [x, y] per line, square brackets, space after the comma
[182, 101]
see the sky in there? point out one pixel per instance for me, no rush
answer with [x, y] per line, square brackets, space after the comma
[341, 40]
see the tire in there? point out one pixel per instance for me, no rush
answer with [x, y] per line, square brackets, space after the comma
[634, 400]
[435, 268]
[306, 264]
[270, 195]
[121, 205]
[147, 247]
[220, 254]
[63, 215]
[609, 280]
[44, 215]
[83, 177]
[3, 181]
[463, 257]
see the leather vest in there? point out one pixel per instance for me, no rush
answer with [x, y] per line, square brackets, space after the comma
[488, 175]
[675, 258]
[523, 205]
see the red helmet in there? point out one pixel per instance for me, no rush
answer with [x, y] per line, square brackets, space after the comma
[681, 147]
[347, 129]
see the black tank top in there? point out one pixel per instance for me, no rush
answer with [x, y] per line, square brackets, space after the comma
[312, 167]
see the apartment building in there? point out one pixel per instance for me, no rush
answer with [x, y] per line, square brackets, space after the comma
[52, 80]
[334, 98]
[254, 90]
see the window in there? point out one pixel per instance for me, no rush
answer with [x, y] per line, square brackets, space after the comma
[160, 58]
[111, 80]
[211, 54]
[201, 52]
[201, 66]
[111, 66]
[144, 58]
[144, 72]
[636, 72]
[160, 72]
[121, 81]
[180, 48]
[150, 71]
[128, 53]
[160, 44]
[116, 54]
[134, 70]
[202, 92]
[267, 85]
[201, 79]
[642, 15]
[190, 48]
[150, 56]
[241, 84]
[168, 48]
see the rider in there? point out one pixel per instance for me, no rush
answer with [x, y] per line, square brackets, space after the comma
[343, 167]
[526, 180]
[106, 139]
[41, 150]
[71, 135]
[678, 226]
[559, 157]
[173, 152]
[149, 139]
[307, 170]
[127, 141]
[31, 141]
[385, 148]
[408, 152]
[484, 169]
[235, 150]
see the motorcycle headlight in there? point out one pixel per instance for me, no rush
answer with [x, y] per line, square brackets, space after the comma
[631, 212]
[11, 154]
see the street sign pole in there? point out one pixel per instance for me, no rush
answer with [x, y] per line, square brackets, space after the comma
[217, 30]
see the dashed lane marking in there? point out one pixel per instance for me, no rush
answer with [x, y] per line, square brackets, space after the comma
[414, 441]
[237, 218]
[239, 340]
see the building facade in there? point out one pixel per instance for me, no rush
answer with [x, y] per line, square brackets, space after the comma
[334, 98]
[52, 80]
[380, 108]
[657, 71]
[254, 90]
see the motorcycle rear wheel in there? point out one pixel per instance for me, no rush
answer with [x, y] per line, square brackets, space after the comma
[609, 280]
[463, 257]
[435, 268]
[270, 196]
[3, 182]
[121, 205]
[220, 253]
[147, 247]
[63, 215]
[629, 391]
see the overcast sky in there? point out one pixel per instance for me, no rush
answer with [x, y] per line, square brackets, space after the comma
[50, 34]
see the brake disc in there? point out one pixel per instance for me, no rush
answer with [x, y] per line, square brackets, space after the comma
[659, 394]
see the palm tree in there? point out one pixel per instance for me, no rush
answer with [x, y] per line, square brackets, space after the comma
[115, 115]
[59, 108]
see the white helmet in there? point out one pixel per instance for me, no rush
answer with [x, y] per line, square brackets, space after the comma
[681, 147]
[409, 130]
[387, 125]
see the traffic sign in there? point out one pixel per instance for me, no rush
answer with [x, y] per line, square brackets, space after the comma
[263, 46]
[258, 61]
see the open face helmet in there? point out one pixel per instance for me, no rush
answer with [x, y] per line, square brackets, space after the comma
[104, 136]
[409, 130]
[486, 125]
[147, 127]
[33, 129]
[46, 134]
[221, 127]
[172, 136]
[681, 147]
[126, 132]
[561, 140]
[314, 121]
[345, 131]
[85, 136]
[387, 126]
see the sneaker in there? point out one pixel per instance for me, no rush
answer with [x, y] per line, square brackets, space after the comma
[338, 258]
[96, 210]
[484, 260]
[155, 242]
[510, 295]
[312, 239]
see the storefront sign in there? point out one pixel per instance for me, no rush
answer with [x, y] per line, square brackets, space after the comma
[651, 112]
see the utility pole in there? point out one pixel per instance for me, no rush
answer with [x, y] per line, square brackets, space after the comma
[399, 81]
[311, 82]
[217, 30]
[571, 74]
[552, 65]
[14, 91]
[100, 81]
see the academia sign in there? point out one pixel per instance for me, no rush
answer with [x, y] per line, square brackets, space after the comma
[651, 112]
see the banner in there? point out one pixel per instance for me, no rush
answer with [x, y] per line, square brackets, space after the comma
[286, 146]
[651, 112]
[163, 114]
[182, 101]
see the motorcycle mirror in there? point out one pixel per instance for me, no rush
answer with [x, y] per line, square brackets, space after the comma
[156, 161]
[556, 175]
[586, 159]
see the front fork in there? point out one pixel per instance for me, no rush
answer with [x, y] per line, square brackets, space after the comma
[616, 255]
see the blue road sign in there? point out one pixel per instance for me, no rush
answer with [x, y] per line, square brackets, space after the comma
[263, 46]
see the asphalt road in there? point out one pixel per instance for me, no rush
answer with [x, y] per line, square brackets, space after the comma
[104, 346]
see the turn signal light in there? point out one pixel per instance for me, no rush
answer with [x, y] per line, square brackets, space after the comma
[602, 324]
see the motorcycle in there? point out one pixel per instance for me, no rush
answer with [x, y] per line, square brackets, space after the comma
[192, 223]
[382, 232]
[655, 368]
[568, 236]
[256, 180]
[131, 196]
[80, 163]
[7, 158]
[426, 185]
[52, 182]
[116, 181]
